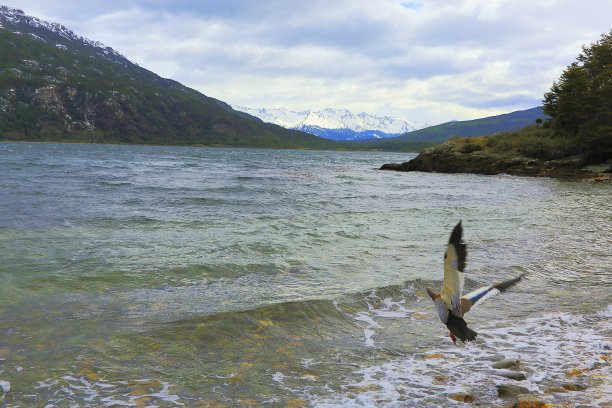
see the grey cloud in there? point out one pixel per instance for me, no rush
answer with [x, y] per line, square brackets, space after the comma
[471, 56]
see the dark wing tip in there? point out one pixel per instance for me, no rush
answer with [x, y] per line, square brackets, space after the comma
[456, 235]
[509, 283]
[460, 247]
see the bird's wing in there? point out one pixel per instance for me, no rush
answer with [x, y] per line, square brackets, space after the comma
[478, 296]
[454, 264]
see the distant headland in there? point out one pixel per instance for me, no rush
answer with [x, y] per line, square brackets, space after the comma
[575, 141]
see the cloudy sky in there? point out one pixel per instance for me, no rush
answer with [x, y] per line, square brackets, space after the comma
[427, 61]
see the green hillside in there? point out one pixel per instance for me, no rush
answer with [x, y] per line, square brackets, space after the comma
[432, 135]
[56, 86]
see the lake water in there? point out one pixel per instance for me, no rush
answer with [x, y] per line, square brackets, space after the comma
[175, 276]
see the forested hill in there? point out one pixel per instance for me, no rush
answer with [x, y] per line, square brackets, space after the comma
[58, 86]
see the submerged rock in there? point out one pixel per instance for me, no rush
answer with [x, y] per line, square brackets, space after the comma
[510, 391]
[514, 375]
[507, 363]
[463, 397]
[574, 386]
[575, 372]
[555, 390]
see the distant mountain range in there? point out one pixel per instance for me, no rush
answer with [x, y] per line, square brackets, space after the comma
[58, 86]
[390, 133]
[334, 124]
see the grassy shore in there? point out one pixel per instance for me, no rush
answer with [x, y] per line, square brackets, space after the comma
[533, 151]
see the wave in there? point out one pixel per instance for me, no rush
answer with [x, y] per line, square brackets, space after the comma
[380, 347]
[348, 310]
[115, 183]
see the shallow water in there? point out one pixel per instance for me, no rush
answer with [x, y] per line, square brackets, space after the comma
[172, 276]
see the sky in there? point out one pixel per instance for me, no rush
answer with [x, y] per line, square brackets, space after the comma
[426, 61]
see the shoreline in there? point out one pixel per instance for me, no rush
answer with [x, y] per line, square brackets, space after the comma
[459, 156]
[213, 146]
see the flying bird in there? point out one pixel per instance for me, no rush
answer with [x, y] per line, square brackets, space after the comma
[450, 305]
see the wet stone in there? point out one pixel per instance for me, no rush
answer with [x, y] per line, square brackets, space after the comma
[510, 391]
[508, 363]
[441, 379]
[575, 386]
[463, 397]
[555, 390]
[514, 375]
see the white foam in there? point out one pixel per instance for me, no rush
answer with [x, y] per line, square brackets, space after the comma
[308, 362]
[607, 312]
[278, 377]
[165, 395]
[390, 309]
[369, 334]
[385, 308]
[5, 385]
[104, 393]
[364, 317]
[553, 349]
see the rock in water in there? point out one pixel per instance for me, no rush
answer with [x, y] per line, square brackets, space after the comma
[575, 387]
[508, 363]
[514, 375]
[510, 391]
[463, 397]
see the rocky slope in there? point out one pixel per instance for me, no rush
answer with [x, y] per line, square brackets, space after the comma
[58, 86]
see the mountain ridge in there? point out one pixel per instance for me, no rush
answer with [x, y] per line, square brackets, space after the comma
[436, 134]
[58, 86]
[334, 123]
[16, 17]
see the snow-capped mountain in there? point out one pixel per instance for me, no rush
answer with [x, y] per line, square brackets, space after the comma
[59, 36]
[336, 124]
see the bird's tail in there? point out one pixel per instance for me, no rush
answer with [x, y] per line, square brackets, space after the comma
[459, 328]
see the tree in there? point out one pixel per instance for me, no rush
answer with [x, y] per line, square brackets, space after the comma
[580, 102]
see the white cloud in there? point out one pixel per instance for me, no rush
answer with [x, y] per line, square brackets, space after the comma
[425, 60]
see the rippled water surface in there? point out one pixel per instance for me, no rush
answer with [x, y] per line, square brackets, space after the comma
[172, 276]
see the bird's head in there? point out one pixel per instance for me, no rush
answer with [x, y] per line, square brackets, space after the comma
[433, 295]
